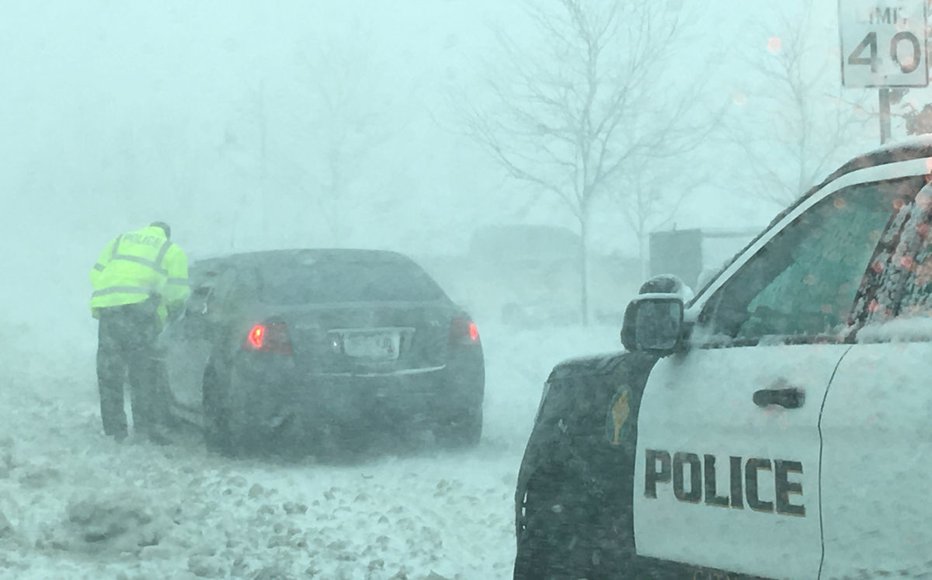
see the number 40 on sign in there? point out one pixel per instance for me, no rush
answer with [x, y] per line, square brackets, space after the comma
[883, 43]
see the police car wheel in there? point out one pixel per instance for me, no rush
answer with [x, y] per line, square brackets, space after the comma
[549, 545]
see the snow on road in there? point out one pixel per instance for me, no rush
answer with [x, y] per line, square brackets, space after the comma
[74, 504]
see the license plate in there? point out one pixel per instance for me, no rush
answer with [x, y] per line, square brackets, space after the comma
[376, 346]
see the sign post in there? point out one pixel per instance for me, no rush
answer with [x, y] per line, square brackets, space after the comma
[885, 122]
[883, 46]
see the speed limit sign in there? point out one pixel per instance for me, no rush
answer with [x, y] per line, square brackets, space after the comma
[883, 43]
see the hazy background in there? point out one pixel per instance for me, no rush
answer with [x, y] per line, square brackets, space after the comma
[222, 118]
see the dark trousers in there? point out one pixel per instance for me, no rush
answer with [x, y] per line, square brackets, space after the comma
[126, 349]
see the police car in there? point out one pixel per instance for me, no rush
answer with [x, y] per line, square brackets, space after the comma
[776, 424]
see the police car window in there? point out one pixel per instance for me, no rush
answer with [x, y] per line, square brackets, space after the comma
[804, 281]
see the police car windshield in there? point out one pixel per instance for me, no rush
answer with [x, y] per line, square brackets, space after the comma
[322, 281]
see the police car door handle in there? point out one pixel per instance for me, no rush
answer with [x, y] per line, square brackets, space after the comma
[788, 398]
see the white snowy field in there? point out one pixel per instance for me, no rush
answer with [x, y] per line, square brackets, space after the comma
[74, 504]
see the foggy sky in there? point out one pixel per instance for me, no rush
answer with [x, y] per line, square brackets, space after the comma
[208, 115]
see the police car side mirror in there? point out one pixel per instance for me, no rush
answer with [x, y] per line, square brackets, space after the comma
[654, 324]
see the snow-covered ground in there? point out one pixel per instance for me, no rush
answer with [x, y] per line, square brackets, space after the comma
[74, 504]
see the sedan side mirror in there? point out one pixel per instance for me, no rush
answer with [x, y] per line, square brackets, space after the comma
[653, 324]
[199, 302]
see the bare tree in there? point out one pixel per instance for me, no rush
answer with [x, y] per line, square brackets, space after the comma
[242, 150]
[651, 200]
[315, 156]
[796, 124]
[357, 110]
[573, 113]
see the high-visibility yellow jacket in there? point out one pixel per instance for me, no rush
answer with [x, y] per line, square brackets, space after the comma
[137, 266]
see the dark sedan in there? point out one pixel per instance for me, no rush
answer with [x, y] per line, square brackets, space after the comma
[319, 346]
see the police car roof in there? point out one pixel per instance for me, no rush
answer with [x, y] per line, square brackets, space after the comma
[900, 150]
[919, 147]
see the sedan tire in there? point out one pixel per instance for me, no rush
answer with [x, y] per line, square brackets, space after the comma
[221, 435]
[464, 431]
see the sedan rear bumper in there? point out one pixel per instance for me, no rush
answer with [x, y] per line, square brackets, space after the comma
[265, 399]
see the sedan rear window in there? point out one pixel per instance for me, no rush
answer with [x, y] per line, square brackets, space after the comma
[318, 281]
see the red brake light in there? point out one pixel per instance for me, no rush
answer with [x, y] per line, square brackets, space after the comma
[269, 337]
[256, 336]
[464, 331]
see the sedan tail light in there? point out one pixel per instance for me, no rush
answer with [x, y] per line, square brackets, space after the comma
[464, 331]
[269, 337]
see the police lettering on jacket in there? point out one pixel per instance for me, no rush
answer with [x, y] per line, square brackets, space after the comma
[693, 479]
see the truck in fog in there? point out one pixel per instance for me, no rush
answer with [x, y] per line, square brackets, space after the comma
[693, 255]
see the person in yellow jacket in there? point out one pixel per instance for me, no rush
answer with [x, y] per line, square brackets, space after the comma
[140, 281]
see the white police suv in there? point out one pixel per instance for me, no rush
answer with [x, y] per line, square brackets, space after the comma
[778, 424]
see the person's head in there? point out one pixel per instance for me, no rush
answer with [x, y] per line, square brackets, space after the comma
[164, 226]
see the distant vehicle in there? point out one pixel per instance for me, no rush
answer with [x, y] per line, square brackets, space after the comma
[530, 274]
[694, 255]
[775, 425]
[317, 345]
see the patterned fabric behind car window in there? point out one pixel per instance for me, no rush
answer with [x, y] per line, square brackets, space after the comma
[899, 283]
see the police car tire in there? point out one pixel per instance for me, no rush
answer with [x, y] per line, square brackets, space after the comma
[543, 550]
[562, 516]
[570, 464]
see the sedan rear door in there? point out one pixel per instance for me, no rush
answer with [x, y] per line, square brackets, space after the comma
[190, 341]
